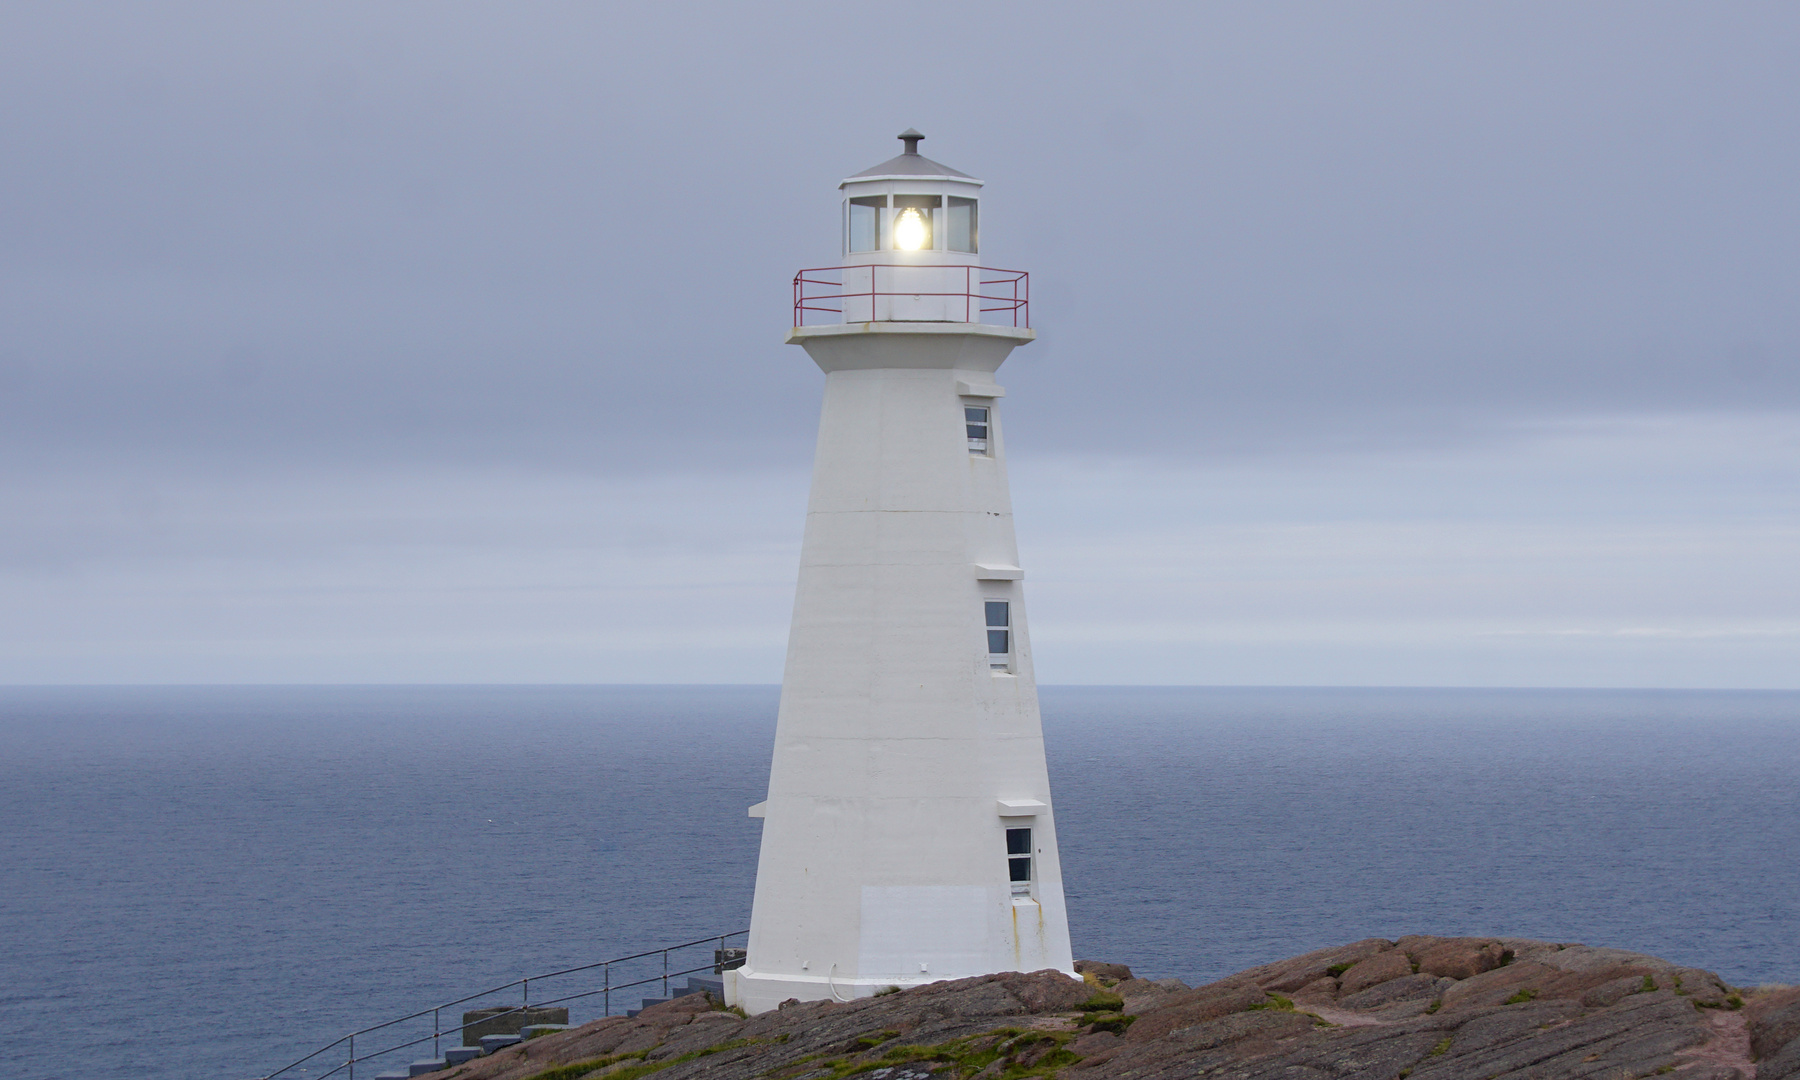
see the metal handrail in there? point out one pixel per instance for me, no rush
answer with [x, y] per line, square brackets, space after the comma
[525, 988]
[435, 1035]
[1018, 281]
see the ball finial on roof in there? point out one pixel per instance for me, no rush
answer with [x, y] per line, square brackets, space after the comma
[911, 138]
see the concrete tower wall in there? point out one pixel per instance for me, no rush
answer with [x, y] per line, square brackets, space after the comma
[902, 756]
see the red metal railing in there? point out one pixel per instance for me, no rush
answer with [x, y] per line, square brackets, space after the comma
[985, 289]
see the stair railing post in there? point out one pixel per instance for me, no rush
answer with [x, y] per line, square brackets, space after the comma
[665, 973]
[352, 1061]
[434, 1033]
[606, 986]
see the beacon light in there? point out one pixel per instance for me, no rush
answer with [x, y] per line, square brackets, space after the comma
[910, 232]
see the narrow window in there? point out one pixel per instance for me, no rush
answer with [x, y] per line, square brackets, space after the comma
[863, 229]
[961, 229]
[976, 420]
[1018, 860]
[999, 632]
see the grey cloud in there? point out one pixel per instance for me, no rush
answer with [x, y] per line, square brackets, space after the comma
[560, 237]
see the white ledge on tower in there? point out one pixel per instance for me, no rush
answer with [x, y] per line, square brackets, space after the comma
[1021, 807]
[998, 572]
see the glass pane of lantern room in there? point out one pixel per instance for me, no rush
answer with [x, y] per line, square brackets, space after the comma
[960, 225]
[863, 229]
[915, 221]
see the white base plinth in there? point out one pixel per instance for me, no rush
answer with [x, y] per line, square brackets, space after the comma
[756, 992]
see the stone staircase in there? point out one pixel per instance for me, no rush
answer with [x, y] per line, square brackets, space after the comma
[695, 985]
[493, 1043]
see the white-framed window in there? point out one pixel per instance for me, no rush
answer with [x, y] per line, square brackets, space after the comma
[915, 222]
[862, 226]
[1019, 861]
[977, 419]
[999, 634]
[961, 226]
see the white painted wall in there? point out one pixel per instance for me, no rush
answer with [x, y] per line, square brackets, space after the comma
[883, 854]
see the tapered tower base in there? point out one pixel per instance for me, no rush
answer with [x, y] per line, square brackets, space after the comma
[908, 834]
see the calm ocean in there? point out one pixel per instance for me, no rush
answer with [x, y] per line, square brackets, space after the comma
[208, 882]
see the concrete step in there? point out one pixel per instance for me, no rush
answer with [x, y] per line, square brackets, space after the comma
[491, 1043]
[456, 1055]
[392, 1076]
[715, 987]
[532, 1031]
[420, 1068]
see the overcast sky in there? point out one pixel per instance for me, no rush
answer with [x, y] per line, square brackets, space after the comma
[1443, 344]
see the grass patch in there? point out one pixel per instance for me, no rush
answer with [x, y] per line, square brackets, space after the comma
[709, 1051]
[1434, 1006]
[1506, 957]
[1113, 1022]
[1276, 1001]
[632, 1072]
[1521, 997]
[1647, 986]
[873, 1039]
[1441, 1048]
[1103, 1002]
[885, 991]
[1338, 969]
[583, 1068]
[1024, 1054]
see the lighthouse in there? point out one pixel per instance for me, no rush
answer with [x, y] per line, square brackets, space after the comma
[908, 834]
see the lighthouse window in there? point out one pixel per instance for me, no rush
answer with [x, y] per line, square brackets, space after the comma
[960, 225]
[999, 632]
[1018, 860]
[863, 230]
[976, 420]
[914, 218]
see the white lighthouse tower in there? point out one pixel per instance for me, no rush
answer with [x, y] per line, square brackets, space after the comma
[908, 834]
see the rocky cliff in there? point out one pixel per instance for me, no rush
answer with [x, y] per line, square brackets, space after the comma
[1421, 1008]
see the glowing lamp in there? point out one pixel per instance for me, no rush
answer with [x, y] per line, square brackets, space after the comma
[911, 233]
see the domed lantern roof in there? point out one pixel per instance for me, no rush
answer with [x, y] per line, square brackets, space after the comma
[911, 210]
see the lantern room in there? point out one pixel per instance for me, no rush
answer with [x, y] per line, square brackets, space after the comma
[913, 210]
[911, 249]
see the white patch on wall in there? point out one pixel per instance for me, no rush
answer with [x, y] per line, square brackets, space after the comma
[896, 918]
